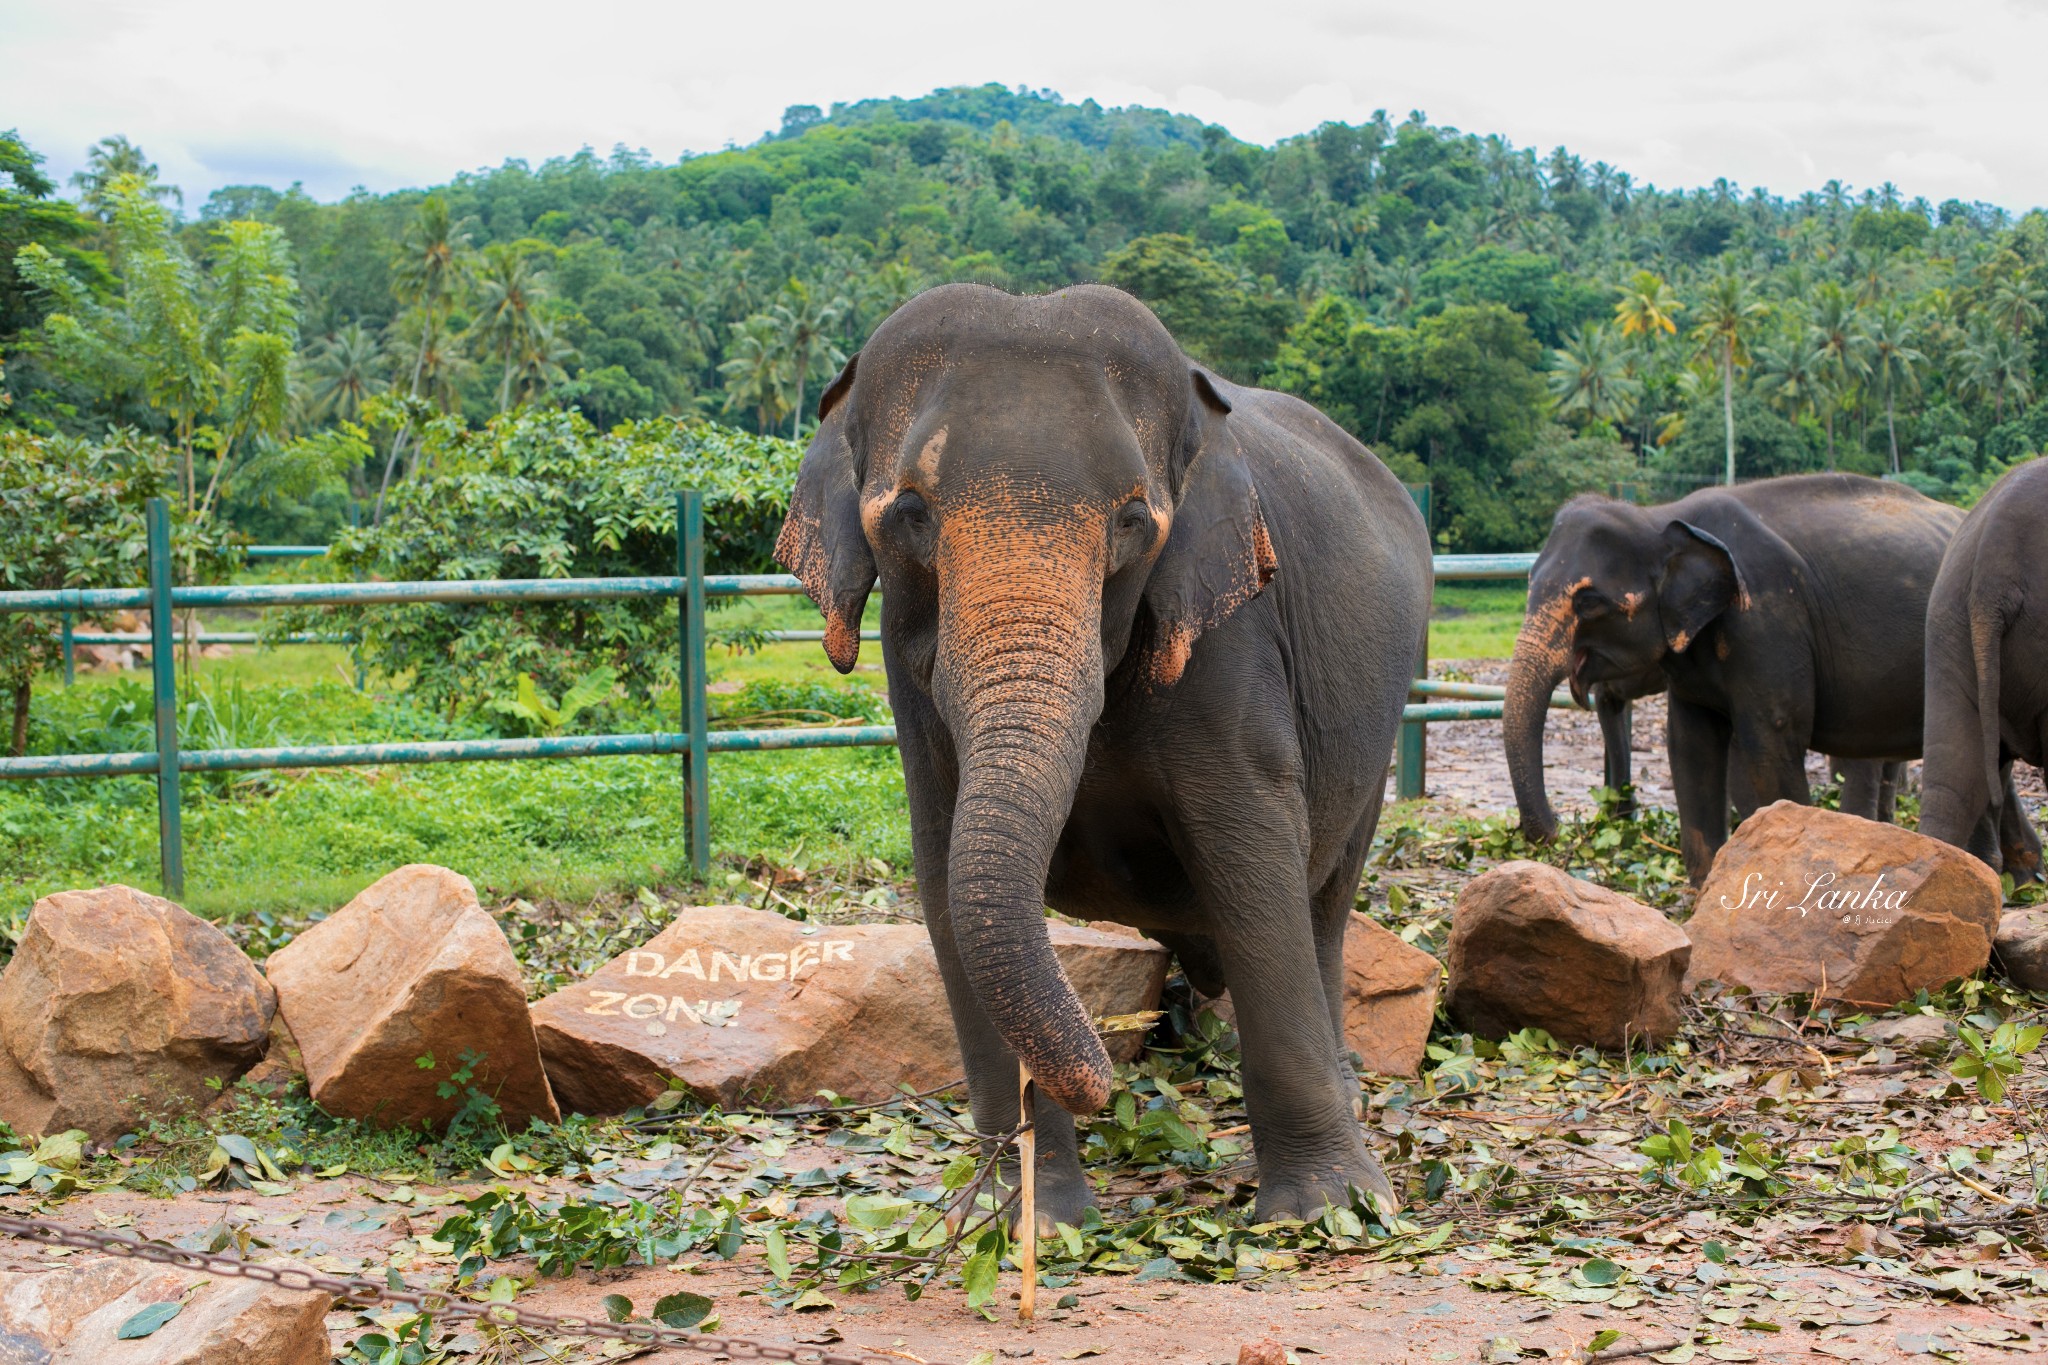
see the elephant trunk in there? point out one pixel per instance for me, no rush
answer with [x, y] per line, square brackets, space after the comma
[1543, 657]
[1020, 675]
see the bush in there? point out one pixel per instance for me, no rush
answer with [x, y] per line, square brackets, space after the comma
[543, 494]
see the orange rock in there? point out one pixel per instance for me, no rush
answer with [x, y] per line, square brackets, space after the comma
[412, 967]
[119, 1004]
[1534, 948]
[2022, 948]
[1816, 902]
[747, 1007]
[1262, 1353]
[71, 1314]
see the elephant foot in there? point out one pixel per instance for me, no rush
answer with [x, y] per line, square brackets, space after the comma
[1304, 1191]
[1061, 1196]
[2024, 865]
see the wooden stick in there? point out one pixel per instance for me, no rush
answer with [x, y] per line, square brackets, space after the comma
[1027, 1198]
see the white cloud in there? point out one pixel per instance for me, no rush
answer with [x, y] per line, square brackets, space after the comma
[1944, 101]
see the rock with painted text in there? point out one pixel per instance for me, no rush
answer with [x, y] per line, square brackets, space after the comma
[120, 1006]
[1390, 990]
[1810, 901]
[74, 1313]
[745, 1006]
[1532, 947]
[407, 1004]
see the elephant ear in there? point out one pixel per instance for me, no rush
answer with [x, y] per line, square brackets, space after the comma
[1699, 581]
[1218, 555]
[822, 541]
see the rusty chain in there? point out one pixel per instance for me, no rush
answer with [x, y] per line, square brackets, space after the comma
[361, 1293]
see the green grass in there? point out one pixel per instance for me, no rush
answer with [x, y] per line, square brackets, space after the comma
[1476, 620]
[281, 845]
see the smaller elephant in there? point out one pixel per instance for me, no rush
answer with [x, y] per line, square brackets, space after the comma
[1987, 675]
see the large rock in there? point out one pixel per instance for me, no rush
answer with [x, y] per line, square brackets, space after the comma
[1820, 903]
[1534, 948]
[71, 1314]
[2022, 948]
[747, 1007]
[412, 967]
[1390, 990]
[118, 1006]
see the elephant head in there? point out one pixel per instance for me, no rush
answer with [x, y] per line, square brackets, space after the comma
[1051, 497]
[1617, 591]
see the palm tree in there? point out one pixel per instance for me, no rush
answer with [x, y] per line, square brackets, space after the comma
[1589, 377]
[1792, 371]
[755, 372]
[109, 160]
[1837, 330]
[1647, 309]
[1893, 360]
[1996, 365]
[1728, 319]
[433, 266]
[805, 322]
[346, 370]
[540, 363]
[2016, 303]
[508, 287]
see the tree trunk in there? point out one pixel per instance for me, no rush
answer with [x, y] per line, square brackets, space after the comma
[24, 689]
[1891, 425]
[1831, 438]
[1728, 404]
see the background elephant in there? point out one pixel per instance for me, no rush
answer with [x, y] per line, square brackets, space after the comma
[1148, 637]
[1784, 616]
[1987, 675]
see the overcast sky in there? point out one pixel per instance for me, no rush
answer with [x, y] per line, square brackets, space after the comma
[1943, 99]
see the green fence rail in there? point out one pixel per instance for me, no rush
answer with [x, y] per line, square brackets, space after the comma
[694, 742]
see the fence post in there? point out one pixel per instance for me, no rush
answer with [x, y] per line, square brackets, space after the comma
[163, 666]
[64, 631]
[696, 724]
[1411, 754]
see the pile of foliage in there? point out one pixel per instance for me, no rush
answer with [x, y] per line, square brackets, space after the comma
[540, 493]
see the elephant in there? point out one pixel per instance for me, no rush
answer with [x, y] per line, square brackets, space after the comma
[1784, 616]
[1987, 675]
[1148, 636]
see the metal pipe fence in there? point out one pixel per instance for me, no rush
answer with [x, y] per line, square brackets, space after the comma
[694, 741]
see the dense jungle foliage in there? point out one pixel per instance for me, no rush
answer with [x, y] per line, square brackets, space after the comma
[1508, 325]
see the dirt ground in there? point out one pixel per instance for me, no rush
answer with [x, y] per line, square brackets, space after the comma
[1783, 1289]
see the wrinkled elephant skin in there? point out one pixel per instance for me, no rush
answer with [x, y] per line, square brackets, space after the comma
[1148, 637]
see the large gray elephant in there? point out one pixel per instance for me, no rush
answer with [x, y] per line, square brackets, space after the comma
[1148, 637]
[1987, 675]
[1785, 616]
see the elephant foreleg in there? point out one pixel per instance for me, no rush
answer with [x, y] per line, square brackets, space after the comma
[1617, 732]
[992, 1092]
[1862, 785]
[1697, 741]
[1333, 904]
[1249, 863]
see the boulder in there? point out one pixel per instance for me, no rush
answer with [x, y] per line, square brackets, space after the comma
[411, 968]
[1390, 990]
[1820, 903]
[2022, 948]
[747, 1007]
[119, 1005]
[1909, 1032]
[1534, 948]
[71, 1314]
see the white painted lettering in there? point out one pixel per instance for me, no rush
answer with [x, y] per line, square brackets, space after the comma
[653, 1007]
[686, 963]
[605, 1000]
[636, 959]
[770, 966]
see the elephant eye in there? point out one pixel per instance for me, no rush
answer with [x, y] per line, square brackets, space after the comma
[1134, 517]
[1588, 602]
[910, 511]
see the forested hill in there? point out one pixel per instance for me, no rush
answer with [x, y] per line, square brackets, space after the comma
[1511, 325]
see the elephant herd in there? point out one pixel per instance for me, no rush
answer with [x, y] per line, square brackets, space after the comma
[1824, 612]
[1148, 636]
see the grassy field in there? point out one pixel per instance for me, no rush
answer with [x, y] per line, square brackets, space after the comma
[284, 844]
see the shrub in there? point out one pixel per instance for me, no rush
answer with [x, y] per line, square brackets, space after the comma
[543, 494]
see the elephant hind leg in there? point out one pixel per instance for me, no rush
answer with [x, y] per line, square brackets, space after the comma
[2018, 842]
[1862, 782]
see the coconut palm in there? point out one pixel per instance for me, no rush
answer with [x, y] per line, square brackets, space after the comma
[805, 322]
[2016, 303]
[1589, 377]
[1728, 320]
[1996, 366]
[756, 372]
[1647, 309]
[1791, 372]
[347, 368]
[540, 362]
[1893, 361]
[1837, 327]
[509, 285]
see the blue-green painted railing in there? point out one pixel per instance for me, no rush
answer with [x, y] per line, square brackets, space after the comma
[694, 742]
